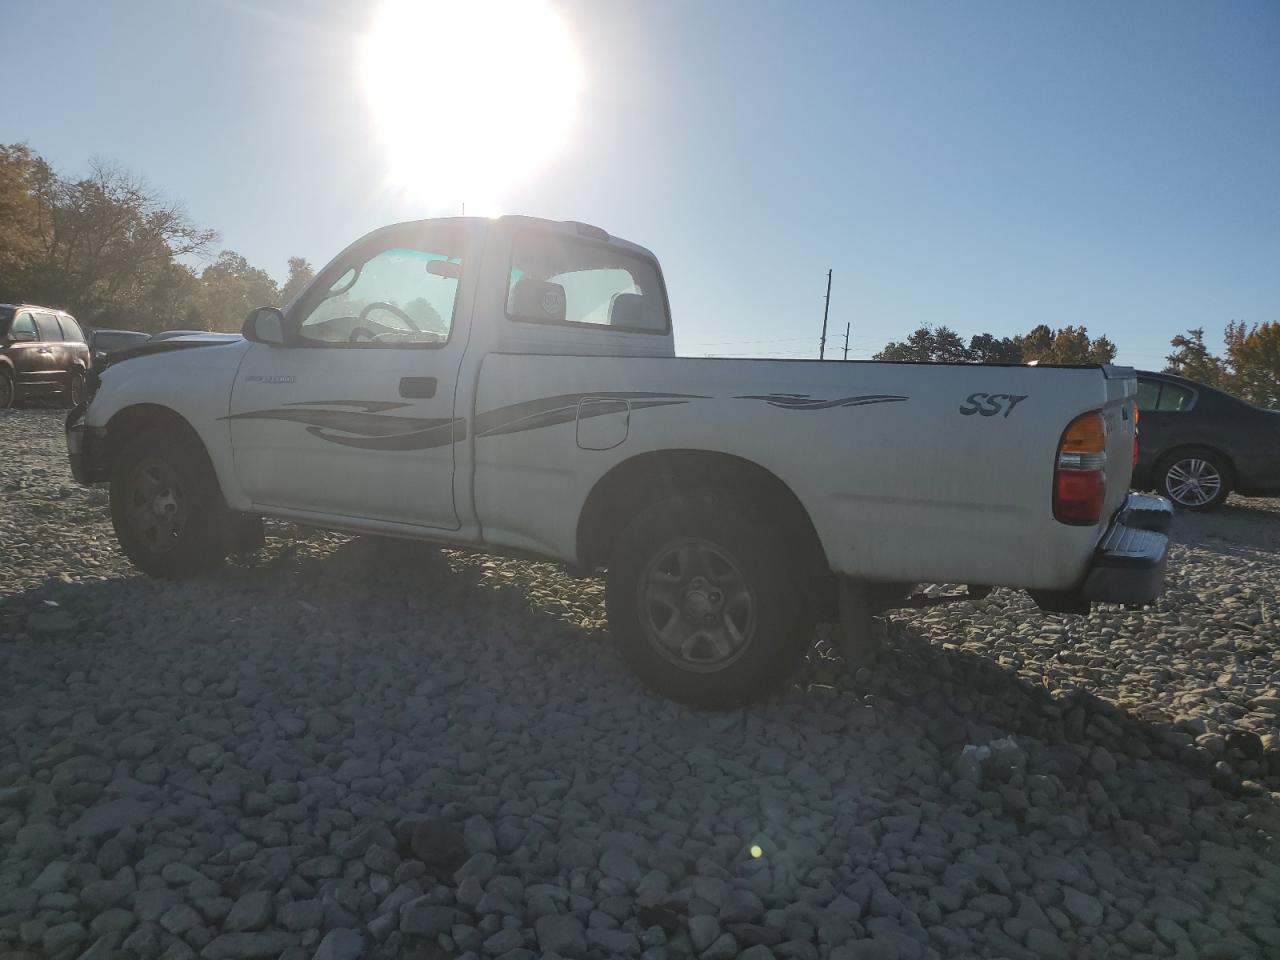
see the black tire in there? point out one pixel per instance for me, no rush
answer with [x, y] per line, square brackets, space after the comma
[1194, 478]
[748, 590]
[76, 391]
[166, 507]
[8, 391]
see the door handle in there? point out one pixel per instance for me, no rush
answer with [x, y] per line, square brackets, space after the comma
[46, 351]
[417, 388]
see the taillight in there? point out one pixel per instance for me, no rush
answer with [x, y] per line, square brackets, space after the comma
[1080, 476]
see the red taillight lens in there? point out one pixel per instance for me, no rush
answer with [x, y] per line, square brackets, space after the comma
[1080, 476]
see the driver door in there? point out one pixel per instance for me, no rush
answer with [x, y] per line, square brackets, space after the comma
[354, 415]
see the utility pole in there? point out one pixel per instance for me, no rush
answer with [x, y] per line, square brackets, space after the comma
[846, 341]
[822, 344]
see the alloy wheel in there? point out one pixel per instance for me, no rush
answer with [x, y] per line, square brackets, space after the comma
[157, 503]
[1193, 482]
[696, 607]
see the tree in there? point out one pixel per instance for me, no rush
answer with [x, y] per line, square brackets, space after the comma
[104, 245]
[940, 344]
[229, 289]
[984, 348]
[1192, 359]
[300, 274]
[1070, 345]
[1254, 356]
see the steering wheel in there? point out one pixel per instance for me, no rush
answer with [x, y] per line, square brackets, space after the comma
[358, 332]
[392, 308]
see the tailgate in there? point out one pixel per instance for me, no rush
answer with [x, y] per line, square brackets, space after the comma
[1122, 389]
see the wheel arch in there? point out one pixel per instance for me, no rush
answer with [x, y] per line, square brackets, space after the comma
[130, 421]
[636, 483]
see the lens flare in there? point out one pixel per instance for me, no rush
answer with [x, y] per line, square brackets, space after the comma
[470, 97]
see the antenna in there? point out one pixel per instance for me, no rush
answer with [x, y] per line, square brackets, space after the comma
[846, 341]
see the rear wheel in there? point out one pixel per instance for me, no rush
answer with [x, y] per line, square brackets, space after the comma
[703, 603]
[165, 504]
[75, 393]
[8, 392]
[1194, 479]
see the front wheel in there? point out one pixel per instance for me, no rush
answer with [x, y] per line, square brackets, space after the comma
[8, 392]
[165, 504]
[703, 604]
[1194, 479]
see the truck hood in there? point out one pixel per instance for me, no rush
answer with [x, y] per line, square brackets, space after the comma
[166, 346]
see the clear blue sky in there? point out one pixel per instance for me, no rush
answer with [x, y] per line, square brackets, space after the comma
[988, 165]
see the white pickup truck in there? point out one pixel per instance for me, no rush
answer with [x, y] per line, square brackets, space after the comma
[512, 385]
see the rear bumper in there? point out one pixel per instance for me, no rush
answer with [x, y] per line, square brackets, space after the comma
[84, 447]
[1129, 564]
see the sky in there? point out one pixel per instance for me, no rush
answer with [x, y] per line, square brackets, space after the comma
[984, 165]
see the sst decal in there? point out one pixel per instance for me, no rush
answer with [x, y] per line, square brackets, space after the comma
[991, 404]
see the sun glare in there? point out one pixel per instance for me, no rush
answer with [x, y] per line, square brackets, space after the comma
[470, 96]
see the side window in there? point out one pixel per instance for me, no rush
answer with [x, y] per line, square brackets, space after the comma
[71, 331]
[398, 297]
[1174, 397]
[47, 324]
[557, 279]
[1148, 394]
[23, 328]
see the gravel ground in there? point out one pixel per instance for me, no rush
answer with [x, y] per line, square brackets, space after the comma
[341, 749]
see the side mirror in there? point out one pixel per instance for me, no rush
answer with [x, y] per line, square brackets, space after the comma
[265, 325]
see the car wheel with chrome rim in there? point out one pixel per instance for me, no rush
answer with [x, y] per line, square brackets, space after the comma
[1195, 479]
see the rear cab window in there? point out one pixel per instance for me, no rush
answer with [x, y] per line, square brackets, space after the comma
[581, 282]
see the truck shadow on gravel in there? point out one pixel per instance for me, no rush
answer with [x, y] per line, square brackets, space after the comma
[934, 693]
[399, 682]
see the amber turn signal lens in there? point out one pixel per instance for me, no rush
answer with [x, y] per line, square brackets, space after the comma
[1086, 434]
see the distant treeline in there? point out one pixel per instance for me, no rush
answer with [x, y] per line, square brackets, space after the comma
[115, 252]
[1250, 369]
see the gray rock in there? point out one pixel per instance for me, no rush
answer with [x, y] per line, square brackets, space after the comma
[244, 946]
[1045, 944]
[40, 842]
[620, 866]
[703, 931]
[180, 918]
[481, 866]
[423, 918]
[725, 947]
[340, 944]
[439, 843]
[111, 817]
[866, 950]
[479, 835]
[615, 943]
[251, 911]
[1086, 909]
[61, 936]
[562, 933]
[299, 915]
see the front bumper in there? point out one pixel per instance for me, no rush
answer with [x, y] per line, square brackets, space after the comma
[84, 447]
[1129, 564]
